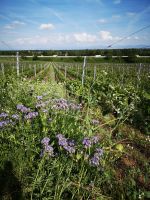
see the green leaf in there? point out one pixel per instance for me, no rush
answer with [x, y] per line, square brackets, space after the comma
[119, 147]
[146, 95]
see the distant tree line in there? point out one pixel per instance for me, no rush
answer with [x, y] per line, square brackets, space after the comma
[84, 52]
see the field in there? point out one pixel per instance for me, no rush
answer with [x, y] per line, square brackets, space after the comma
[76, 132]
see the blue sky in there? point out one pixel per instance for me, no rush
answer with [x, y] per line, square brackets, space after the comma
[73, 24]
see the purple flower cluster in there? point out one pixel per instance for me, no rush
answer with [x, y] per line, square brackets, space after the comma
[47, 149]
[63, 104]
[87, 142]
[68, 145]
[5, 123]
[99, 151]
[60, 104]
[3, 115]
[15, 116]
[45, 141]
[31, 115]
[22, 108]
[95, 139]
[94, 161]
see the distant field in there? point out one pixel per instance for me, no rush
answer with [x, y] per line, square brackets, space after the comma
[90, 59]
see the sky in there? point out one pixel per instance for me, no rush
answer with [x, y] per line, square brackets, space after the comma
[73, 24]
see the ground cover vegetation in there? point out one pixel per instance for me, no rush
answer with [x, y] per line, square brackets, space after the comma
[69, 136]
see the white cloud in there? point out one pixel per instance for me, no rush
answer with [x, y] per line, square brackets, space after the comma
[73, 40]
[105, 35]
[117, 1]
[133, 38]
[40, 40]
[43, 41]
[18, 23]
[103, 21]
[116, 16]
[112, 19]
[130, 14]
[55, 40]
[46, 27]
[14, 25]
[136, 38]
[84, 37]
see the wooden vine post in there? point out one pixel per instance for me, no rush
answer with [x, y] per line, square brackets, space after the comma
[83, 70]
[17, 63]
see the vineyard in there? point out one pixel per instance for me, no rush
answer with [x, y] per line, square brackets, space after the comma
[74, 131]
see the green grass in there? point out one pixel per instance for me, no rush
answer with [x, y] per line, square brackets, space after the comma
[119, 173]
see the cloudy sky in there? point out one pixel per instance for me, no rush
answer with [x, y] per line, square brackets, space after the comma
[73, 24]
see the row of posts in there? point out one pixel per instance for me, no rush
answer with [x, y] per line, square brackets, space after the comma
[18, 66]
[95, 70]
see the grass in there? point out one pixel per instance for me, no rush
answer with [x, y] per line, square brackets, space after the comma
[31, 169]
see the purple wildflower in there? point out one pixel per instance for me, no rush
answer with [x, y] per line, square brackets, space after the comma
[15, 116]
[68, 145]
[45, 141]
[94, 121]
[46, 147]
[95, 139]
[19, 106]
[62, 142]
[61, 104]
[87, 142]
[70, 149]
[99, 151]
[59, 136]
[22, 108]
[71, 143]
[5, 123]
[39, 97]
[49, 150]
[3, 115]
[94, 161]
[31, 115]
